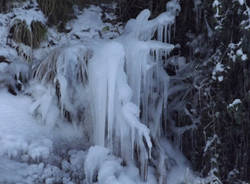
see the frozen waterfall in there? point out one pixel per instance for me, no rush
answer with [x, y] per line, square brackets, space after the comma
[116, 91]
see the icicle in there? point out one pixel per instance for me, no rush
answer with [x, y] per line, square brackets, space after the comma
[102, 80]
[112, 101]
[159, 33]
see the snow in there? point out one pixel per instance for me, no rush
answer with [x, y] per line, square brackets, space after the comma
[216, 3]
[95, 157]
[12, 71]
[209, 142]
[23, 140]
[25, 11]
[244, 57]
[239, 52]
[87, 23]
[235, 103]
[100, 164]
[219, 68]
[220, 78]
[241, 2]
[29, 15]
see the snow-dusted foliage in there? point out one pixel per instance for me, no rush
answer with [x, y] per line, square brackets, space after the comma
[66, 70]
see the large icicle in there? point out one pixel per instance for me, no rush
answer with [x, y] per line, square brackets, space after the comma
[103, 75]
[115, 116]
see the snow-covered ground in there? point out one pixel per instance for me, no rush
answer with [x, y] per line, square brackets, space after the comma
[32, 153]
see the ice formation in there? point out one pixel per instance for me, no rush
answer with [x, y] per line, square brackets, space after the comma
[114, 92]
[119, 87]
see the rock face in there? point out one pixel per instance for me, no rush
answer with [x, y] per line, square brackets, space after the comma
[57, 11]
